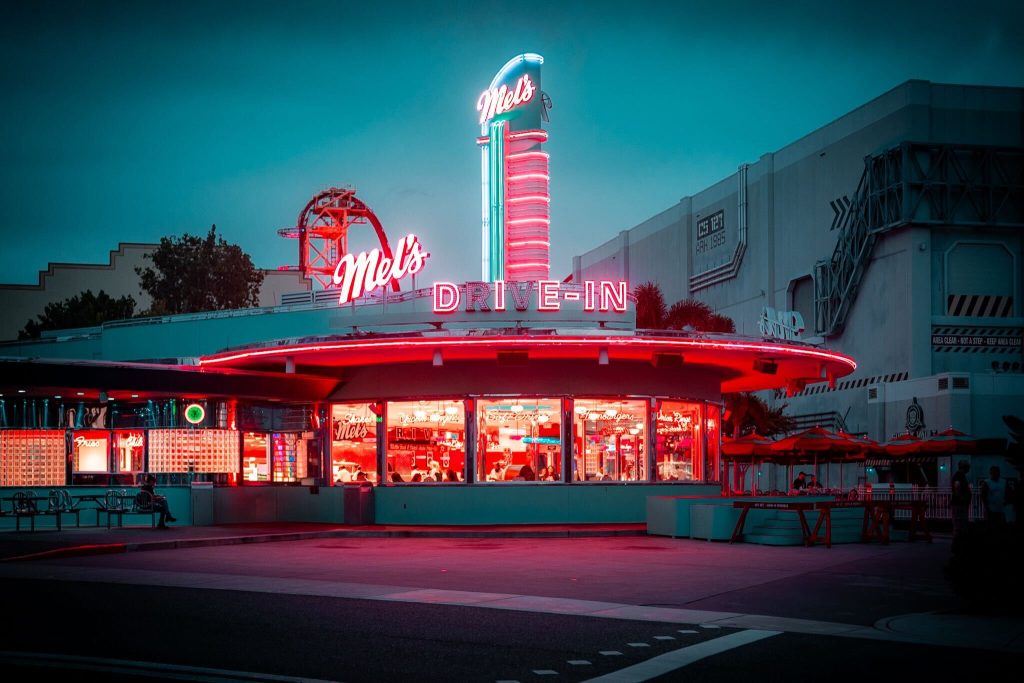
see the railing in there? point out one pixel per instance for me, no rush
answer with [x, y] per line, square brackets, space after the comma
[936, 498]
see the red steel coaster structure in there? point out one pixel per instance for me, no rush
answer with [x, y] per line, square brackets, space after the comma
[322, 230]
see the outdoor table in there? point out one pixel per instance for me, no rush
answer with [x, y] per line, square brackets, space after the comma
[810, 537]
[878, 521]
[98, 499]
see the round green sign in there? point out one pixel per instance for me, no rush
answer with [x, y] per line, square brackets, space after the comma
[195, 413]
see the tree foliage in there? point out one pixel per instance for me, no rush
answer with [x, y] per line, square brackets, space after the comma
[685, 314]
[191, 274]
[650, 307]
[746, 412]
[82, 310]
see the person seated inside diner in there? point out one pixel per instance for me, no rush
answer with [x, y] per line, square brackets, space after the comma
[526, 473]
[417, 477]
[344, 476]
[396, 477]
[450, 475]
[495, 474]
[813, 484]
[800, 483]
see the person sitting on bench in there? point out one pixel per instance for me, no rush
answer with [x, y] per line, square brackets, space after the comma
[159, 502]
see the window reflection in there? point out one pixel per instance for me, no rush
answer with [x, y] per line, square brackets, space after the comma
[426, 441]
[679, 442]
[354, 442]
[519, 439]
[609, 438]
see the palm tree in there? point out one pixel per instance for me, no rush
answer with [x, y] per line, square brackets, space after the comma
[650, 307]
[746, 412]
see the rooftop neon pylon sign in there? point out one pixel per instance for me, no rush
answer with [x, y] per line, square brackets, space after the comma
[515, 214]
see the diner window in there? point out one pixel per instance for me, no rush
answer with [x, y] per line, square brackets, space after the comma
[609, 437]
[91, 451]
[519, 439]
[255, 457]
[354, 442]
[128, 451]
[426, 441]
[287, 456]
[679, 454]
[713, 460]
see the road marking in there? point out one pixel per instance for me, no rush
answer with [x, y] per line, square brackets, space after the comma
[677, 659]
[545, 672]
[578, 662]
[147, 669]
[638, 644]
[609, 653]
[664, 638]
[708, 626]
[688, 630]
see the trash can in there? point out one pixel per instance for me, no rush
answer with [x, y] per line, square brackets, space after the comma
[359, 503]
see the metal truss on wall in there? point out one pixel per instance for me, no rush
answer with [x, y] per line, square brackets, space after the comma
[916, 184]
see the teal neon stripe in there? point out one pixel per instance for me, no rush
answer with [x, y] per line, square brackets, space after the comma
[497, 190]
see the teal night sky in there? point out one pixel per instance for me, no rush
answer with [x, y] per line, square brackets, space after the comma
[129, 121]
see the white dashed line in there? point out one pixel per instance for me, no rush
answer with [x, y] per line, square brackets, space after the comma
[578, 662]
[545, 672]
[638, 644]
[687, 630]
[709, 626]
[677, 659]
[664, 638]
[609, 653]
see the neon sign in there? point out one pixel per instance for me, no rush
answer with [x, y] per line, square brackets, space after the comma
[597, 295]
[370, 270]
[495, 101]
[195, 413]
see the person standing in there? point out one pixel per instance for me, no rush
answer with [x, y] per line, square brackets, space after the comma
[960, 498]
[993, 495]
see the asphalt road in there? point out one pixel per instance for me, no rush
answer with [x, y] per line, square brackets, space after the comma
[293, 609]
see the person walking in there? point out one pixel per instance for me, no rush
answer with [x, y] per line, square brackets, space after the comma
[960, 498]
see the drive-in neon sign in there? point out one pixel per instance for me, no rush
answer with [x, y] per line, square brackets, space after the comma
[597, 295]
[360, 274]
[495, 101]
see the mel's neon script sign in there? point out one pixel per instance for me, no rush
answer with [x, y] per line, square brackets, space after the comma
[360, 274]
[497, 101]
[597, 295]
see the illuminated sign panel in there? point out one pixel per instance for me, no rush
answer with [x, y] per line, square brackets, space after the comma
[494, 101]
[360, 274]
[548, 295]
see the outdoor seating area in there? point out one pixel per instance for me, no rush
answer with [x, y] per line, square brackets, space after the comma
[60, 504]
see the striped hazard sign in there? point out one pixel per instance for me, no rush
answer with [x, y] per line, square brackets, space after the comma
[980, 305]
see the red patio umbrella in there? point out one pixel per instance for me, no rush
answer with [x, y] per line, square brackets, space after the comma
[949, 441]
[752, 446]
[903, 445]
[867, 446]
[817, 442]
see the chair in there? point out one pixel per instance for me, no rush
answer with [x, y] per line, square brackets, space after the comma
[24, 506]
[59, 503]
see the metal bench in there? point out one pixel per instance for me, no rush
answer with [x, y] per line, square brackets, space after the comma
[139, 504]
[59, 503]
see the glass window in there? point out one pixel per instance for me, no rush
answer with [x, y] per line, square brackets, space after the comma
[519, 439]
[609, 437]
[288, 456]
[713, 460]
[255, 457]
[678, 442]
[128, 449]
[354, 442]
[426, 441]
[91, 451]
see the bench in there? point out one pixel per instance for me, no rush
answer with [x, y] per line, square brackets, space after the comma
[139, 504]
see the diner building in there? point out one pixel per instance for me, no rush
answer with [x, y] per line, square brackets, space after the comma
[469, 416]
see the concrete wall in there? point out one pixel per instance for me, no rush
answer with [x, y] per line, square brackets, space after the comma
[523, 504]
[901, 300]
[248, 504]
